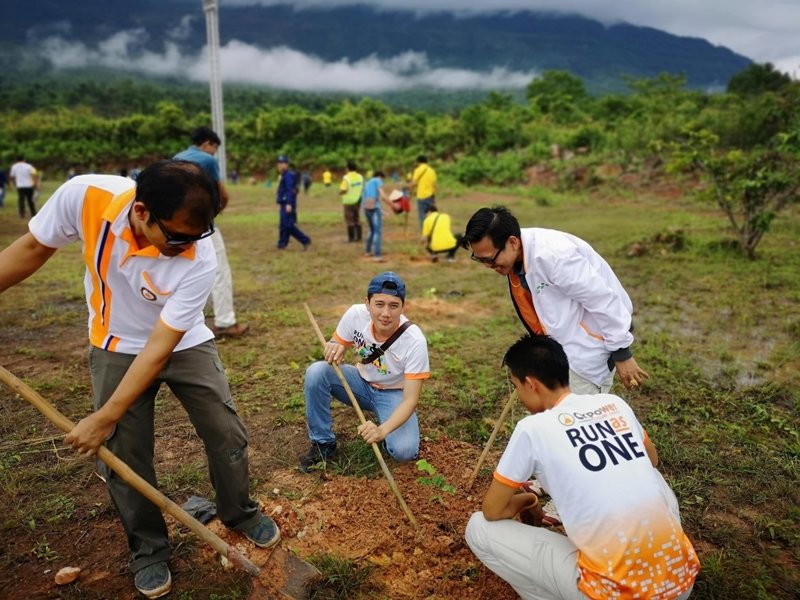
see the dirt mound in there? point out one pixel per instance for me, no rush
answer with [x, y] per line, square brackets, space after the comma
[360, 519]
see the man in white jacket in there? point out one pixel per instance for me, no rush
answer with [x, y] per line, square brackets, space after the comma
[562, 288]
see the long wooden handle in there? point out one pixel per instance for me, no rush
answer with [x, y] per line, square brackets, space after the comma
[490, 441]
[360, 413]
[128, 475]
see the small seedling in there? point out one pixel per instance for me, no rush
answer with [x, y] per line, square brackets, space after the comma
[436, 479]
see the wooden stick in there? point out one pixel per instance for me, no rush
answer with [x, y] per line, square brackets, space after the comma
[360, 413]
[490, 441]
[128, 475]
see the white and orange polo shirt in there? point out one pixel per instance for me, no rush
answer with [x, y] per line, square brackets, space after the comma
[127, 288]
[589, 454]
[406, 358]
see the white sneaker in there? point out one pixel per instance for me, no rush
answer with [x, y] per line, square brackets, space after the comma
[551, 516]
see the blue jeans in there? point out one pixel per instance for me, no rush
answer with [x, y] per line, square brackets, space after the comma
[375, 221]
[322, 382]
[422, 205]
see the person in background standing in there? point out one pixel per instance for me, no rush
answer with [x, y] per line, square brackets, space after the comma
[350, 190]
[286, 199]
[423, 182]
[3, 183]
[23, 176]
[373, 196]
[327, 177]
[205, 143]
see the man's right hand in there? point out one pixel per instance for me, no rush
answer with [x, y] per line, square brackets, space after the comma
[532, 514]
[89, 434]
[333, 352]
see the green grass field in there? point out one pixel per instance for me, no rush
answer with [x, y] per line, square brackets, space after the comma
[719, 335]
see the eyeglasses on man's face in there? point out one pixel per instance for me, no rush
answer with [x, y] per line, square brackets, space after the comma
[181, 239]
[485, 260]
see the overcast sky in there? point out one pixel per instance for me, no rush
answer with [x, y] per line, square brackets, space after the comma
[763, 30]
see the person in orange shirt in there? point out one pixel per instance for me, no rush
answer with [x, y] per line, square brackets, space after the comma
[623, 530]
[150, 266]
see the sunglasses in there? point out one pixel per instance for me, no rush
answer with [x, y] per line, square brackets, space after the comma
[488, 261]
[181, 239]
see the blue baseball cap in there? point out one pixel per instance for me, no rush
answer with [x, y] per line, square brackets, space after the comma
[389, 283]
[283, 158]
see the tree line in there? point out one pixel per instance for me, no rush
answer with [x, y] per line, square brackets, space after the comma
[745, 140]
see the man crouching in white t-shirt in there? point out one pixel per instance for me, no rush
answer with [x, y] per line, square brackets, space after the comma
[624, 537]
[387, 380]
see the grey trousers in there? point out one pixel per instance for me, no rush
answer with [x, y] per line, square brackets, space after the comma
[197, 379]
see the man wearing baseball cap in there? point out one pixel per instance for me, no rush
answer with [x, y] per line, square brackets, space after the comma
[286, 199]
[392, 363]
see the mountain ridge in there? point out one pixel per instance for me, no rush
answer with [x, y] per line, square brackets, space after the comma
[524, 41]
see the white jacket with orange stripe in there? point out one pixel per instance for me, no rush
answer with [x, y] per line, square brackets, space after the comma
[578, 299]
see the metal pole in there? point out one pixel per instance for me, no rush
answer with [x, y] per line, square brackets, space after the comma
[217, 114]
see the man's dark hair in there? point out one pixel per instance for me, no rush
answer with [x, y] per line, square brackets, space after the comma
[351, 165]
[497, 222]
[204, 134]
[422, 159]
[538, 356]
[20, 157]
[379, 174]
[430, 208]
[167, 186]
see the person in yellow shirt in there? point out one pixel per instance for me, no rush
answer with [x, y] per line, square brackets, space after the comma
[350, 190]
[437, 235]
[423, 182]
[327, 177]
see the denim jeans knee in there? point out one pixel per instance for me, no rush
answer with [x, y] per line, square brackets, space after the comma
[403, 443]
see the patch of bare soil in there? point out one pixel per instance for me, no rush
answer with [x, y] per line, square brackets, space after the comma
[350, 517]
[361, 519]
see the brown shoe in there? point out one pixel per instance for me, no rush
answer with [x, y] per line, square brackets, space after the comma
[235, 330]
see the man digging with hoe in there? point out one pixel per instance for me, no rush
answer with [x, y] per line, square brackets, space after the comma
[149, 269]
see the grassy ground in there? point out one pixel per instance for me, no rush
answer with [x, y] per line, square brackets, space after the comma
[719, 335]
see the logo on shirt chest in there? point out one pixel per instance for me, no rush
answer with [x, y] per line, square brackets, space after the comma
[147, 294]
[540, 288]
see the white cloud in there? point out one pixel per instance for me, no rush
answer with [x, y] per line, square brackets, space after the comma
[279, 67]
[183, 30]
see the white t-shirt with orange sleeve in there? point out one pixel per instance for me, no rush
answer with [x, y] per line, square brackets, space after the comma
[589, 454]
[128, 289]
[406, 358]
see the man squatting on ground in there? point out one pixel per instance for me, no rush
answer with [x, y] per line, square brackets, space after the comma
[438, 236]
[386, 381]
[561, 287]
[149, 269]
[205, 143]
[624, 537]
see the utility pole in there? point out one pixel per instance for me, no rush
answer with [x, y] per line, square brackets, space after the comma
[217, 114]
